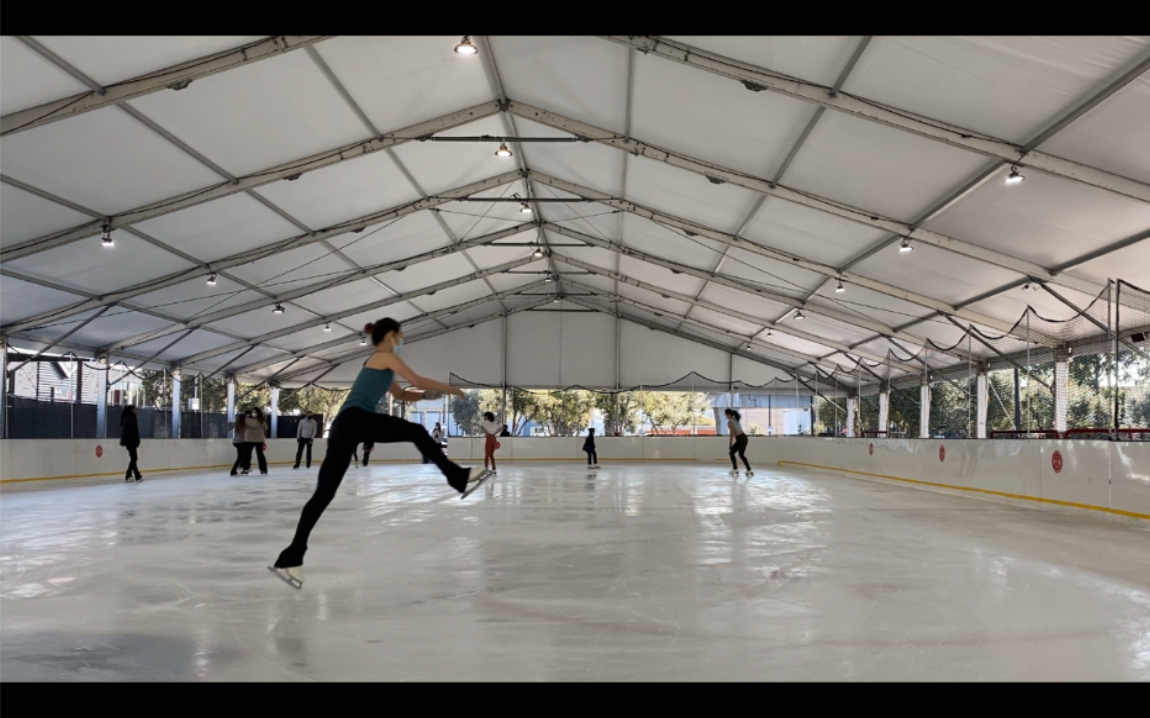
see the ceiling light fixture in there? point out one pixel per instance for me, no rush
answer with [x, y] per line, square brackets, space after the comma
[503, 151]
[799, 315]
[211, 280]
[538, 252]
[1014, 177]
[279, 309]
[106, 240]
[362, 340]
[905, 246]
[840, 288]
[465, 47]
[327, 327]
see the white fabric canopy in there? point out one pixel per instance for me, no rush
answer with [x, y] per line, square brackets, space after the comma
[722, 183]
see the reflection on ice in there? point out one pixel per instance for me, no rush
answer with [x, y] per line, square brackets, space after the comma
[639, 572]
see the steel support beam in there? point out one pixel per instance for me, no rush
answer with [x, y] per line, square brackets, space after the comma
[335, 361]
[716, 173]
[733, 240]
[309, 352]
[704, 326]
[174, 77]
[351, 276]
[177, 377]
[275, 411]
[262, 338]
[792, 371]
[102, 365]
[983, 401]
[288, 170]
[924, 409]
[252, 255]
[757, 79]
[828, 312]
[734, 314]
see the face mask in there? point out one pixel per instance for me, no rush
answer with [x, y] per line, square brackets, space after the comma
[398, 348]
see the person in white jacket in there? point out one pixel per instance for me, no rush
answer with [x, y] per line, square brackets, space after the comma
[304, 435]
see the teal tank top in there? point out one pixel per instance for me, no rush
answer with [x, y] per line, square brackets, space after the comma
[368, 389]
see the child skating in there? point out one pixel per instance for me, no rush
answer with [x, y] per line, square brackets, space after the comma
[589, 448]
[490, 440]
[358, 422]
[738, 442]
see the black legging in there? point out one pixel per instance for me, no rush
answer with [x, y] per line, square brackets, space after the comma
[239, 458]
[352, 427]
[132, 468]
[258, 447]
[592, 456]
[740, 446]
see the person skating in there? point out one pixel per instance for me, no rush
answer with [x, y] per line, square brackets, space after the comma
[255, 434]
[357, 422]
[304, 435]
[130, 440]
[239, 443]
[589, 447]
[490, 441]
[738, 442]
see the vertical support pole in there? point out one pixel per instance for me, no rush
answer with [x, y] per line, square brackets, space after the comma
[983, 405]
[852, 403]
[924, 408]
[504, 412]
[3, 388]
[1116, 302]
[231, 378]
[101, 397]
[884, 408]
[275, 411]
[1017, 403]
[1061, 385]
[731, 382]
[176, 374]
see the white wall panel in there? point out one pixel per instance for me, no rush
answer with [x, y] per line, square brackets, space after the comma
[587, 349]
[653, 357]
[474, 354]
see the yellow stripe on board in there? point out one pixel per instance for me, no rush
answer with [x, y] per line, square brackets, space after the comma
[970, 488]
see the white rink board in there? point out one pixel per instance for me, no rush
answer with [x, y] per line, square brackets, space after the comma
[1109, 475]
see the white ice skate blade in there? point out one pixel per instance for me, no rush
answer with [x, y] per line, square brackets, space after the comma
[473, 485]
[283, 575]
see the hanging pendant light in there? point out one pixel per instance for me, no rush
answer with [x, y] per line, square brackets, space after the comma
[465, 47]
[503, 151]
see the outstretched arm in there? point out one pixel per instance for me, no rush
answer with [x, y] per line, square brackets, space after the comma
[422, 382]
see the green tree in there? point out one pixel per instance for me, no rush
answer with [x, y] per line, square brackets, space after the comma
[466, 411]
[620, 412]
[668, 410]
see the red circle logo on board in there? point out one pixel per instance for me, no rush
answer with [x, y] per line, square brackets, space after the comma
[99, 451]
[872, 449]
[942, 453]
[1056, 462]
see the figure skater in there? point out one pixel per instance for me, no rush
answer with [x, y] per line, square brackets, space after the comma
[358, 422]
[491, 440]
[589, 447]
[738, 442]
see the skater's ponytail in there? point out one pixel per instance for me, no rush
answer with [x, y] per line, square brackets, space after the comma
[381, 329]
[732, 412]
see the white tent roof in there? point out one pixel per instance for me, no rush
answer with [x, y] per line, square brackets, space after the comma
[697, 190]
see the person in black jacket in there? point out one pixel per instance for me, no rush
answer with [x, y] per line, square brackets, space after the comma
[589, 447]
[130, 440]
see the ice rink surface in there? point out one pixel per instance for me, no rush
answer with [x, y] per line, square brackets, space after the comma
[642, 571]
